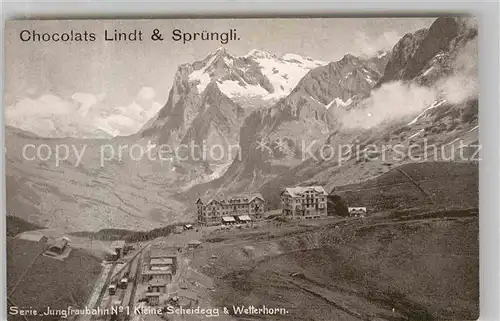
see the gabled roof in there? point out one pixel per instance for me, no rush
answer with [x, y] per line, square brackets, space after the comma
[213, 200]
[299, 190]
[256, 195]
[59, 244]
[207, 200]
[248, 197]
[240, 198]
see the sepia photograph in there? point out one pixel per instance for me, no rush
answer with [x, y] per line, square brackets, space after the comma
[321, 169]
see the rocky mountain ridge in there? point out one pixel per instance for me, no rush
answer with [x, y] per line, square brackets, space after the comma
[427, 94]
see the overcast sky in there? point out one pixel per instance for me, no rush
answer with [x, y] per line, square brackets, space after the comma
[117, 70]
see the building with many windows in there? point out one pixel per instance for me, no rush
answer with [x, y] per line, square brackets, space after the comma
[304, 202]
[212, 211]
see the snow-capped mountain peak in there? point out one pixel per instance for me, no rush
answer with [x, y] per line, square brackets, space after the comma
[305, 61]
[221, 50]
[258, 74]
[256, 53]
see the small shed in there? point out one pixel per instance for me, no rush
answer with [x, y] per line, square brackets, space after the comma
[164, 254]
[357, 211]
[58, 246]
[157, 286]
[153, 298]
[193, 244]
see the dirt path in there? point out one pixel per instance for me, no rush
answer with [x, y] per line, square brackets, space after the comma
[98, 291]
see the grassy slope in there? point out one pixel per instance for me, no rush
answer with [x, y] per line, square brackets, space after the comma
[392, 190]
[49, 282]
[424, 269]
[446, 185]
[437, 128]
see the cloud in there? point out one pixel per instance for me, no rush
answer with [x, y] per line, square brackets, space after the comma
[146, 93]
[369, 46]
[43, 115]
[463, 84]
[391, 101]
[396, 100]
[86, 101]
[82, 115]
[38, 107]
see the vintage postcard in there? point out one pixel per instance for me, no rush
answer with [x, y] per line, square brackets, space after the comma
[242, 169]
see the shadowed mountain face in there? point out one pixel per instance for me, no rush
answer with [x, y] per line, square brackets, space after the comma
[428, 51]
[427, 94]
[220, 92]
[442, 129]
[277, 138]
[280, 113]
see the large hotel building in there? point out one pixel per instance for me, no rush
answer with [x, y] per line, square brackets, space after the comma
[217, 210]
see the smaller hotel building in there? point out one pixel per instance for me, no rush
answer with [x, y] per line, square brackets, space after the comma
[304, 202]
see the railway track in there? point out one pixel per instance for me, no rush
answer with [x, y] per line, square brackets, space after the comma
[123, 296]
[136, 281]
[134, 275]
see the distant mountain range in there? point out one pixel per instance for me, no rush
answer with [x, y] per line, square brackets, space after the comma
[210, 99]
[279, 111]
[83, 115]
